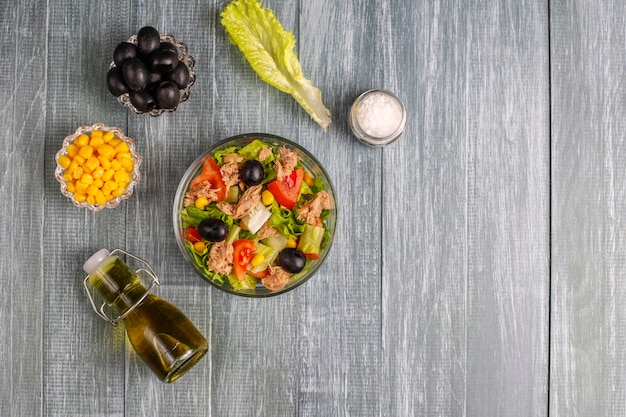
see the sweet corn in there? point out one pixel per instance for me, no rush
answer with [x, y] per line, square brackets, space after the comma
[92, 163]
[121, 177]
[291, 243]
[122, 147]
[108, 136]
[104, 162]
[72, 150]
[308, 179]
[108, 174]
[64, 161]
[267, 198]
[106, 150]
[82, 140]
[100, 198]
[97, 167]
[201, 203]
[199, 246]
[257, 259]
[96, 141]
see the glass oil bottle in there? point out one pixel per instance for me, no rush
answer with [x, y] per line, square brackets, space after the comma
[160, 333]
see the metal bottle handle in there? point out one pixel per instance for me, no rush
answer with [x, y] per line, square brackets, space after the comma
[147, 270]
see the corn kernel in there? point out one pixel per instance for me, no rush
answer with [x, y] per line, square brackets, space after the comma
[100, 198]
[79, 159]
[115, 165]
[308, 179]
[126, 161]
[121, 177]
[104, 162]
[92, 163]
[107, 151]
[91, 199]
[111, 185]
[64, 161]
[108, 136]
[71, 186]
[97, 173]
[257, 259]
[291, 243]
[80, 197]
[201, 203]
[96, 133]
[96, 141]
[78, 173]
[267, 198]
[122, 147]
[114, 141]
[81, 187]
[108, 174]
[82, 140]
[87, 179]
[199, 246]
[98, 182]
[72, 150]
[68, 176]
[117, 192]
[85, 151]
[92, 190]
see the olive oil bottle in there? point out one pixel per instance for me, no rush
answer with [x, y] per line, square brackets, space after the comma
[161, 334]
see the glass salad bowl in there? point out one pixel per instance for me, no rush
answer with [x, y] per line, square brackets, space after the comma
[250, 222]
[97, 167]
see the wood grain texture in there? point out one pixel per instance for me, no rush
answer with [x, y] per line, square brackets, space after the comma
[476, 268]
[588, 42]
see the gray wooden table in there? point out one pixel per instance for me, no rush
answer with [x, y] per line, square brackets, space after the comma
[478, 266]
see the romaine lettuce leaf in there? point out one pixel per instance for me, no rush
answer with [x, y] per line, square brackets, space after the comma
[269, 50]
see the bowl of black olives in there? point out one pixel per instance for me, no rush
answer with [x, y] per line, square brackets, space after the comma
[151, 73]
[255, 215]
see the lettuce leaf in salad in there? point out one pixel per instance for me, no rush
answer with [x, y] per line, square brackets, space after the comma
[269, 50]
[192, 215]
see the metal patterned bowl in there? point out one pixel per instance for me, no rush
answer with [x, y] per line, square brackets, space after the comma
[183, 56]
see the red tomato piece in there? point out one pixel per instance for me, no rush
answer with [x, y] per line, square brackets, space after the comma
[314, 256]
[211, 173]
[243, 251]
[286, 192]
[192, 235]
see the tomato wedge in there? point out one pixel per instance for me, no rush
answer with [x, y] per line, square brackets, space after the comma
[211, 173]
[286, 192]
[259, 275]
[192, 235]
[243, 251]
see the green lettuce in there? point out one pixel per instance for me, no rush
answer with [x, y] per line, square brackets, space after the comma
[269, 51]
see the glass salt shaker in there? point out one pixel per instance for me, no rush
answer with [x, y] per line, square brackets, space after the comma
[377, 117]
[162, 335]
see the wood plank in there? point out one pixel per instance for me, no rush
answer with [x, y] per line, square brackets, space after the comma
[508, 218]
[588, 159]
[83, 370]
[425, 232]
[22, 160]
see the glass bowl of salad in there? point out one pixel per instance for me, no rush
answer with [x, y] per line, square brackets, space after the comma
[255, 215]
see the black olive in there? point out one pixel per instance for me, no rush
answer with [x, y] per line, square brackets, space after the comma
[143, 100]
[163, 61]
[154, 78]
[123, 52]
[135, 74]
[179, 75]
[292, 260]
[148, 40]
[213, 230]
[252, 172]
[115, 82]
[167, 95]
[169, 46]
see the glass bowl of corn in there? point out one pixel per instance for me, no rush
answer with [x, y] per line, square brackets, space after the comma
[97, 167]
